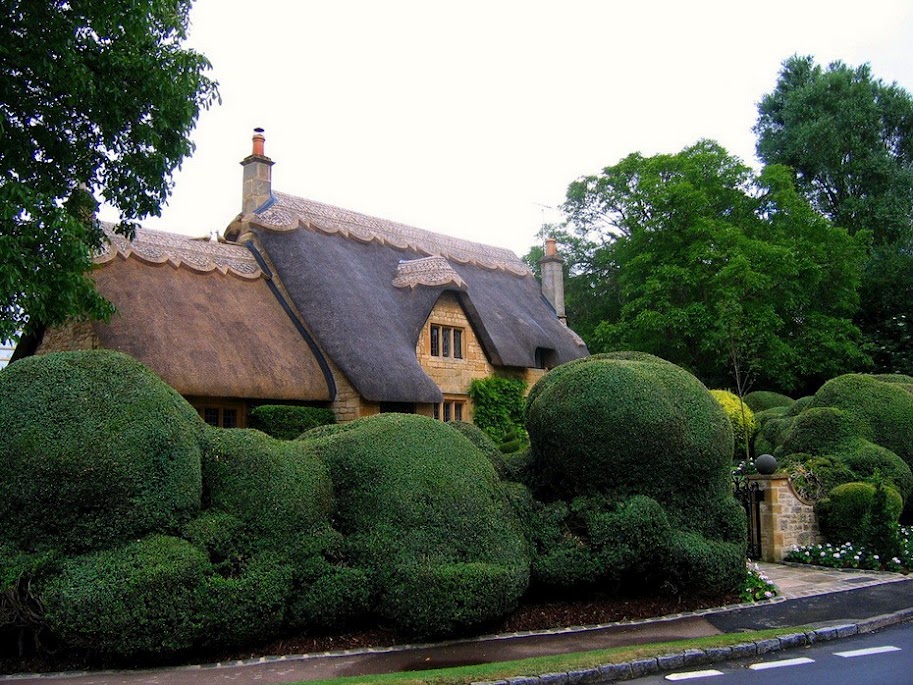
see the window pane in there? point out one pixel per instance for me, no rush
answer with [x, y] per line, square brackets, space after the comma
[435, 341]
[447, 410]
[457, 343]
[437, 412]
[211, 416]
[229, 418]
[445, 334]
[458, 411]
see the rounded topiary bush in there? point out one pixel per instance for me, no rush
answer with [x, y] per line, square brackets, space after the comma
[480, 439]
[846, 514]
[762, 400]
[626, 424]
[276, 487]
[413, 495]
[742, 418]
[140, 598]
[819, 430]
[94, 450]
[882, 410]
[625, 428]
[287, 422]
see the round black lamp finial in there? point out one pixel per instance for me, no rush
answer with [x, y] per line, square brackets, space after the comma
[766, 464]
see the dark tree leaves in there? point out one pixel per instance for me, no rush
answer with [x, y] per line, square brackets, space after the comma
[97, 95]
[712, 265]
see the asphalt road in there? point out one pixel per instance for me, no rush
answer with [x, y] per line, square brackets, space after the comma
[881, 658]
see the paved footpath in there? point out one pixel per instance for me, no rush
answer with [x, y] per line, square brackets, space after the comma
[809, 596]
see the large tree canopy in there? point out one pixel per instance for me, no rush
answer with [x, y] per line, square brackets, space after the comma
[713, 265]
[94, 95]
[849, 139]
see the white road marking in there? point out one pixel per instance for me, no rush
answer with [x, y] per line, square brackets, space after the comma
[867, 652]
[781, 664]
[690, 675]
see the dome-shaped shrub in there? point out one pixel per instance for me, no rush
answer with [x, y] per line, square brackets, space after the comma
[742, 418]
[762, 400]
[422, 510]
[94, 450]
[277, 488]
[626, 424]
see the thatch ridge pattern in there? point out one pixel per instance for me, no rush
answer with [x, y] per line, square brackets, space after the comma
[427, 271]
[289, 213]
[159, 247]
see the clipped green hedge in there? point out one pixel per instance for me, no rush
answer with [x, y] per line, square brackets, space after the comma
[762, 400]
[883, 410]
[412, 493]
[846, 515]
[94, 450]
[287, 422]
[142, 598]
[480, 439]
[277, 488]
[742, 418]
[626, 424]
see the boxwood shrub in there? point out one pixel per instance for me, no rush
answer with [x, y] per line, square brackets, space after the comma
[846, 515]
[287, 422]
[762, 400]
[412, 494]
[139, 598]
[95, 450]
[626, 424]
[276, 488]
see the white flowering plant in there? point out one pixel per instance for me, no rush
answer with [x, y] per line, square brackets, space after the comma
[849, 555]
[757, 585]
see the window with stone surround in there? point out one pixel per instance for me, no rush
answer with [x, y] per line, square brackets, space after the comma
[446, 341]
[221, 415]
[450, 410]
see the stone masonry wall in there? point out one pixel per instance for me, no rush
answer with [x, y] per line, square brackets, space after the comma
[786, 520]
[69, 337]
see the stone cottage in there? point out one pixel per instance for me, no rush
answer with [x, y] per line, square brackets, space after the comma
[301, 302]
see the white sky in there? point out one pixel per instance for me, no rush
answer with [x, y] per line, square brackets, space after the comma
[465, 117]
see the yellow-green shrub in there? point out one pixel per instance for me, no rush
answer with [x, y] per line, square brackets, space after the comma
[744, 424]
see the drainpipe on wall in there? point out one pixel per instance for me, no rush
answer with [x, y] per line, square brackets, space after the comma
[257, 184]
[553, 278]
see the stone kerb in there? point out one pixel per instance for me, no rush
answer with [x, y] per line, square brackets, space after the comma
[786, 519]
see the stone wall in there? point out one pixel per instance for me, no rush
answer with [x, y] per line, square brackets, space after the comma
[69, 337]
[786, 520]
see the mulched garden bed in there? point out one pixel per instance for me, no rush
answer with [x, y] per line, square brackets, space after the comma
[540, 615]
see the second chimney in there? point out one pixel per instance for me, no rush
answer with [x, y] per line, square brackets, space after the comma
[257, 184]
[553, 278]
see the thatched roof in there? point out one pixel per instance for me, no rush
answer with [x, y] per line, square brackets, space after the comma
[203, 316]
[365, 287]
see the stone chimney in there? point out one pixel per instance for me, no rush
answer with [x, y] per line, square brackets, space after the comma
[257, 186]
[553, 278]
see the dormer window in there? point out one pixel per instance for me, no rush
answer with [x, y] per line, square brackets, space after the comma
[446, 341]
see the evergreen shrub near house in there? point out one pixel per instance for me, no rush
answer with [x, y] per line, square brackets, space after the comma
[846, 514]
[139, 598]
[744, 425]
[630, 433]
[498, 405]
[287, 422]
[854, 427]
[422, 511]
[276, 488]
[762, 400]
[480, 439]
[94, 450]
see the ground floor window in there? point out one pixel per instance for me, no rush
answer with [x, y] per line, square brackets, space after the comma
[450, 410]
[221, 414]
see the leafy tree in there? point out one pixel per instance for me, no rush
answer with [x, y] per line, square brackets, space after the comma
[95, 96]
[849, 139]
[716, 268]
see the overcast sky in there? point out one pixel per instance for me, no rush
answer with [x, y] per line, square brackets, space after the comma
[467, 117]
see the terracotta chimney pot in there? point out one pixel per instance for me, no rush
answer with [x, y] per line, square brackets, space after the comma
[258, 141]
